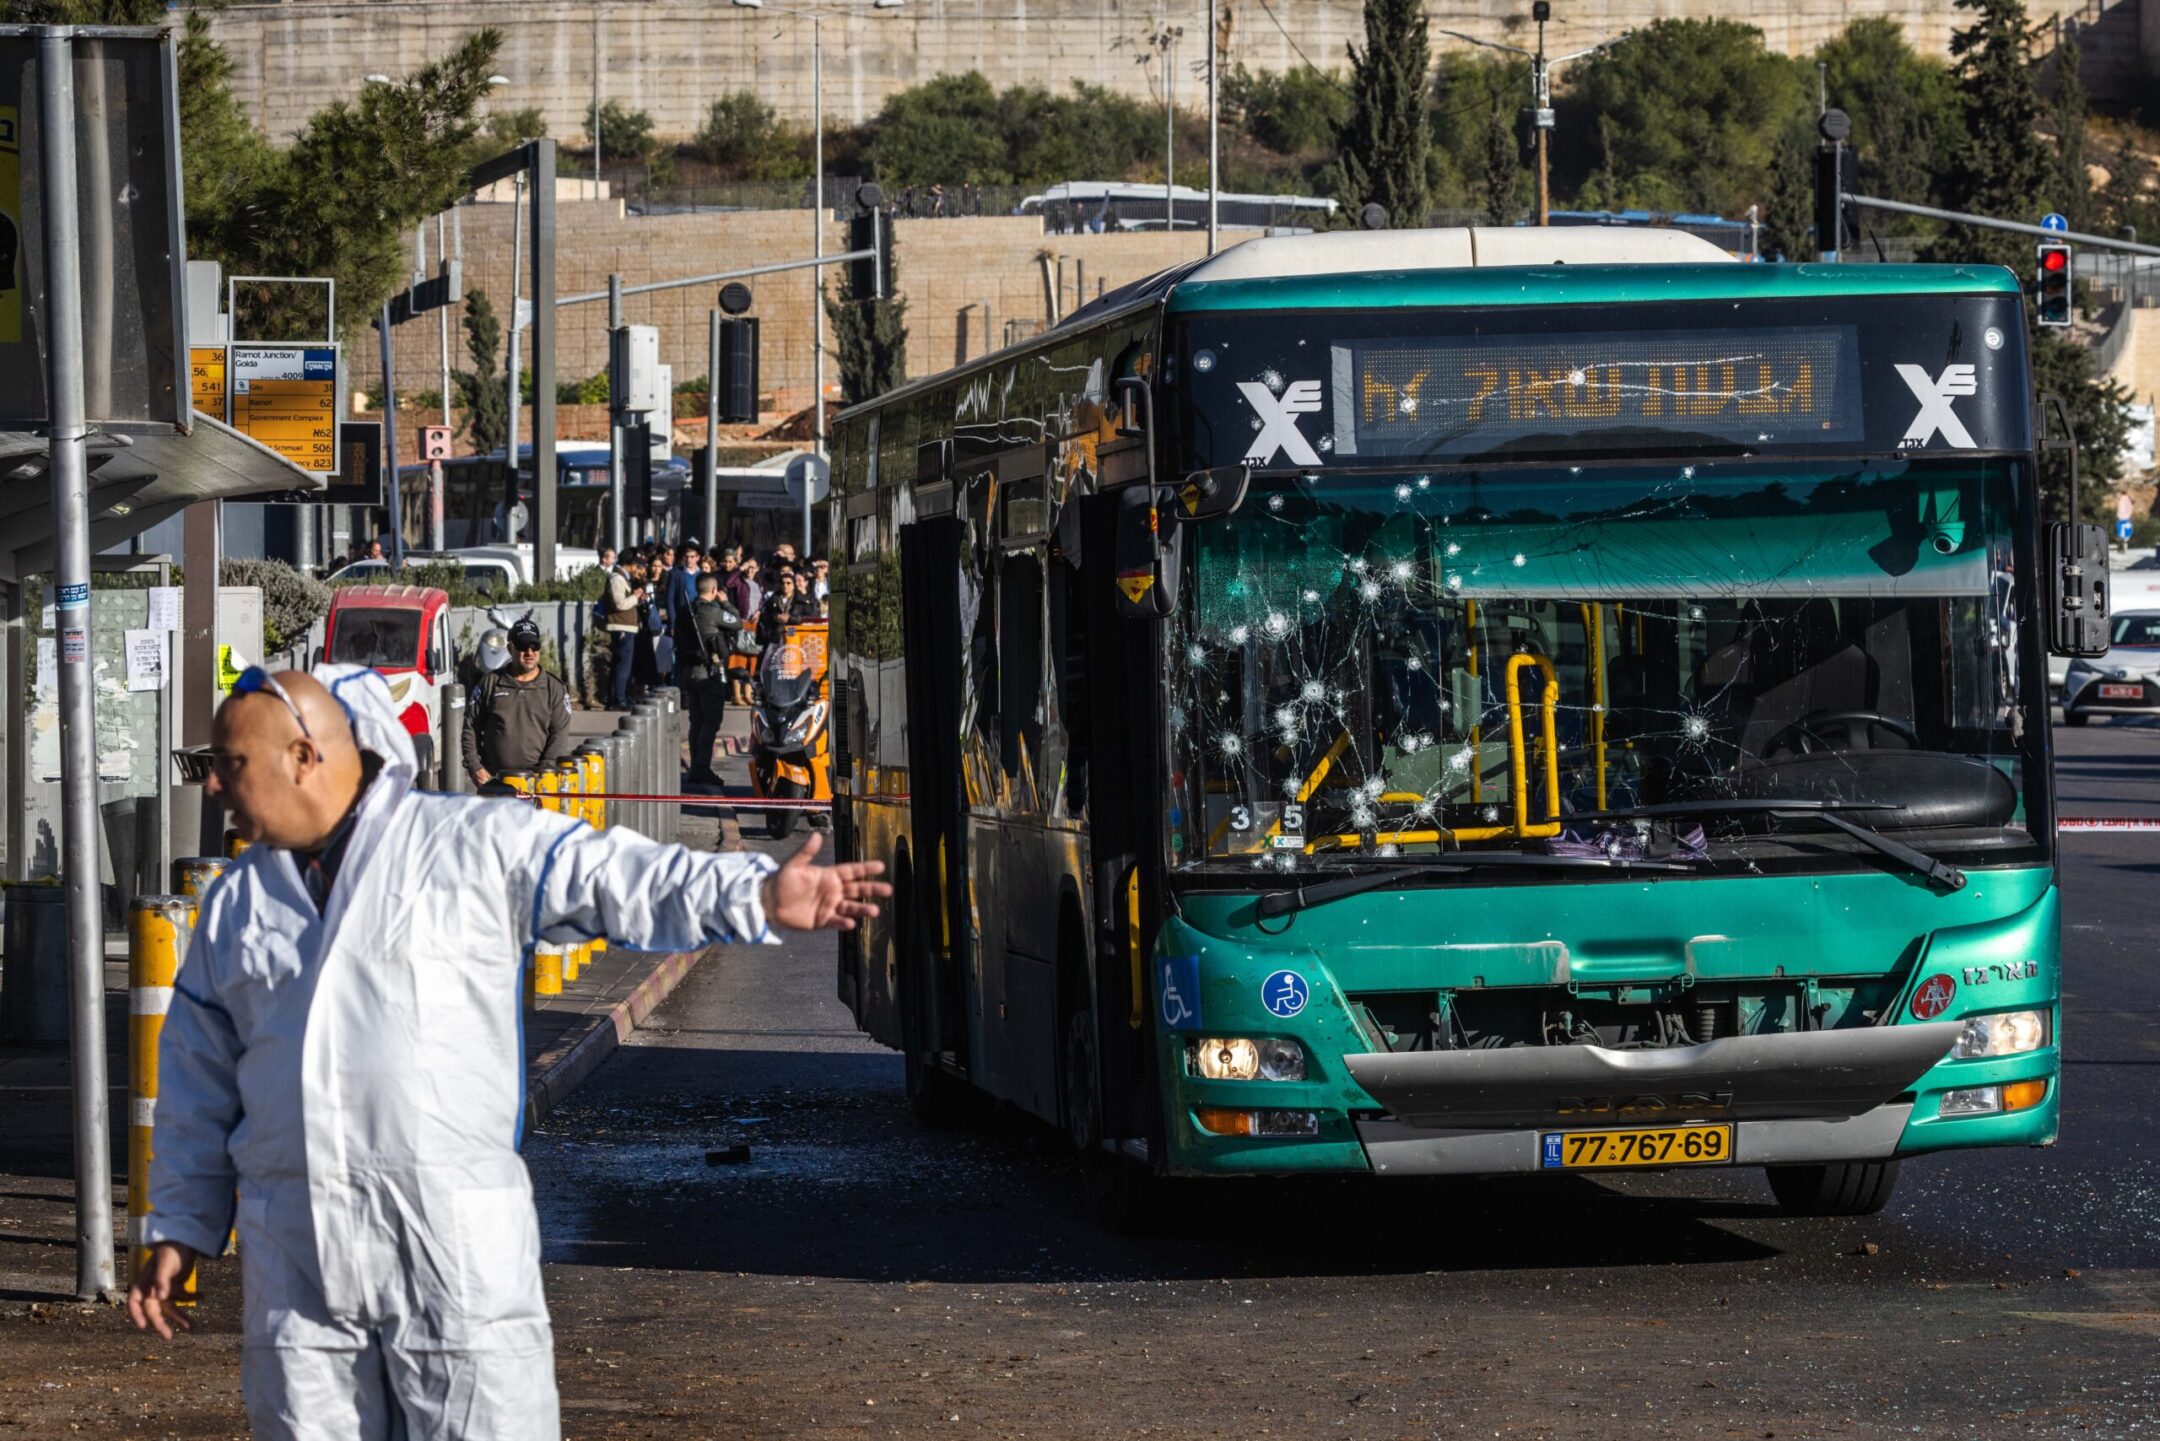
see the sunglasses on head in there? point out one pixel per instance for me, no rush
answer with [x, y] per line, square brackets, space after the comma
[256, 680]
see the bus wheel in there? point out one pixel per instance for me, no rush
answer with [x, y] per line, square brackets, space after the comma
[1083, 1106]
[938, 1099]
[1841, 1188]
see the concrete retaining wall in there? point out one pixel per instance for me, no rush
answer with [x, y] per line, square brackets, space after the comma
[673, 57]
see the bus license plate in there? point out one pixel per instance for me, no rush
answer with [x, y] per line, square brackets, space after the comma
[1659, 1146]
[2122, 692]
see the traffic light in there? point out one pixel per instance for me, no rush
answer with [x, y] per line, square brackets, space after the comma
[2055, 271]
[637, 471]
[738, 399]
[1833, 172]
[870, 228]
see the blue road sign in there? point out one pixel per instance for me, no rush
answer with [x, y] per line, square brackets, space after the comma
[2053, 220]
[2122, 530]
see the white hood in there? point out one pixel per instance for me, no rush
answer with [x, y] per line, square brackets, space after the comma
[365, 696]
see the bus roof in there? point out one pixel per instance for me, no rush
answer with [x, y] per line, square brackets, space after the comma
[1601, 264]
[1479, 265]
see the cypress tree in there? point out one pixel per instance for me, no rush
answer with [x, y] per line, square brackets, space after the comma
[869, 340]
[480, 390]
[1503, 165]
[1383, 144]
[2003, 167]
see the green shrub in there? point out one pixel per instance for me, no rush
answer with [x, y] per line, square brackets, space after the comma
[291, 601]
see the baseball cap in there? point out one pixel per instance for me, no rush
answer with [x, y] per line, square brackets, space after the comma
[525, 635]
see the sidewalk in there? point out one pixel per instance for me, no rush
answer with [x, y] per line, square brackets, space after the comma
[566, 1038]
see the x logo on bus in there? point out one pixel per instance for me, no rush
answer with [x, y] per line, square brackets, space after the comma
[1933, 997]
[1278, 421]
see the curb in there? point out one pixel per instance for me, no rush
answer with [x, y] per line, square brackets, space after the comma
[560, 1069]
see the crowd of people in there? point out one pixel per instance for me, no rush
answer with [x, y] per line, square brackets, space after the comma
[699, 619]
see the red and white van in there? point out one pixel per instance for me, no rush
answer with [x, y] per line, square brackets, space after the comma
[404, 632]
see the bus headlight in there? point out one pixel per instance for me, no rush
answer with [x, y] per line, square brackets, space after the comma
[1237, 1058]
[2004, 1034]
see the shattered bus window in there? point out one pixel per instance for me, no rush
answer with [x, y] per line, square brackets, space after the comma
[1380, 664]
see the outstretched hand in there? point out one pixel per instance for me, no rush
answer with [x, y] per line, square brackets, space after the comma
[807, 897]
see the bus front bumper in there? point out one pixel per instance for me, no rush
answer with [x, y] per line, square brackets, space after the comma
[1397, 1148]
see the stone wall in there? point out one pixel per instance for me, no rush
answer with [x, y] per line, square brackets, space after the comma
[673, 57]
[970, 286]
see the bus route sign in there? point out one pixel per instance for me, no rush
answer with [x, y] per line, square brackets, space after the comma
[206, 379]
[285, 396]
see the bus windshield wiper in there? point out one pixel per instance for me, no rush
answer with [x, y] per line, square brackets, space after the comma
[1939, 872]
[1282, 903]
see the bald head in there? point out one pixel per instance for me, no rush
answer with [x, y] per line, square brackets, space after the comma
[286, 775]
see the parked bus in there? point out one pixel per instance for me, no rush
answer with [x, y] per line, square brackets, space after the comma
[1393, 703]
[474, 492]
[1080, 206]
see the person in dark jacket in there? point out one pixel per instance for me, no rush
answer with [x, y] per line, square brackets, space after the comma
[518, 718]
[681, 594]
[702, 652]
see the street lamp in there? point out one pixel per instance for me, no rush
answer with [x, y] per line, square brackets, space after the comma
[1541, 68]
[817, 204]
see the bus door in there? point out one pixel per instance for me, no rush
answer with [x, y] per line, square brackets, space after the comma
[933, 997]
[1124, 797]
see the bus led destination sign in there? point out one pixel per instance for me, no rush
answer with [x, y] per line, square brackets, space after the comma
[1486, 395]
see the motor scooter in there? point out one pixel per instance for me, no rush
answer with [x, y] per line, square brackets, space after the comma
[790, 733]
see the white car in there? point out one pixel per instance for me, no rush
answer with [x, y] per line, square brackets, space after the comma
[570, 561]
[2125, 681]
[487, 573]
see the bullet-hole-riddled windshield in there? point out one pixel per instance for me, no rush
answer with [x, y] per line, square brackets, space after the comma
[1393, 665]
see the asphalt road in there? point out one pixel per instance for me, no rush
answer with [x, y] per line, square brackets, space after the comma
[857, 1275]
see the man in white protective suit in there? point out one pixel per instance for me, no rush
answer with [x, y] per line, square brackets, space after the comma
[343, 1050]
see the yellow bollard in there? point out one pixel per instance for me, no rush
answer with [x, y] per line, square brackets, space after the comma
[519, 781]
[234, 845]
[159, 930]
[548, 786]
[570, 784]
[192, 875]
[547, 969]
[595, 765]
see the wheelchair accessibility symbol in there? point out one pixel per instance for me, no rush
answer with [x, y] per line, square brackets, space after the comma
[1284, 994]
[1179, 992]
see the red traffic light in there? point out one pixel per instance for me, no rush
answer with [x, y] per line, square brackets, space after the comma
[2054, 259]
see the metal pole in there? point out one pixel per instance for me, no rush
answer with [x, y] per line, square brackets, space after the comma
[1213, 154]
[442, 314]
[1543, 103]
[599, 58]
[389, 430]
[78, 720]
[817, 254]
[540, 159]
[712, 432]
[1169, 125]
[2074, 237]
[618, 383]
[510, 436]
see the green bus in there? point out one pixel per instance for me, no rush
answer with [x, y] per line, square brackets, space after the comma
[1468, 701]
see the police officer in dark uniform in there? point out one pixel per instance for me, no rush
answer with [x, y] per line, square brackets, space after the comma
[518, 719]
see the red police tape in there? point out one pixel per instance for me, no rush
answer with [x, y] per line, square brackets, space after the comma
[2118, 824]
[734, 802]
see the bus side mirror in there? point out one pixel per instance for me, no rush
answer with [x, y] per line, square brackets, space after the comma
[1211, 494]
[1146, 560]
[2077, 589]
